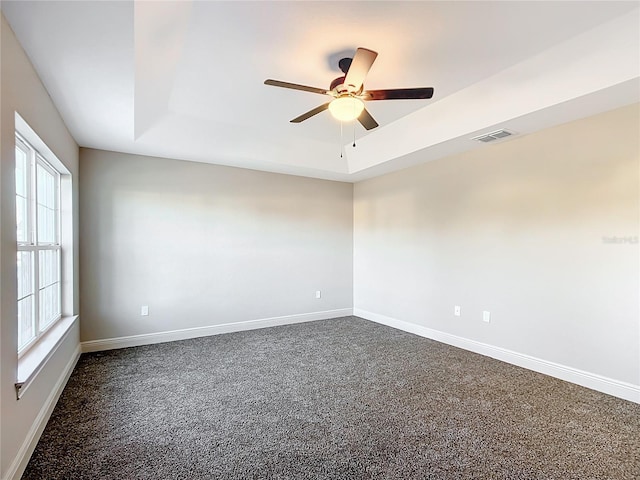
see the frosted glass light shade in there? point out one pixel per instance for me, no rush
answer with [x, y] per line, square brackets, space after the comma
[346, 108]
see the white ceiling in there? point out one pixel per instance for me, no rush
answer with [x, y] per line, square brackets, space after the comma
[185, 79]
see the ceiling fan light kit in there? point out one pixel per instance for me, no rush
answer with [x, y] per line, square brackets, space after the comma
[346, 108]
[348, 92]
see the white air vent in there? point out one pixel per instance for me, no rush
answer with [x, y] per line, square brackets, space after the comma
[493, 136]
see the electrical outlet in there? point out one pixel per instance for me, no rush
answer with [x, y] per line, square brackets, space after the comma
[318, 294]
[456, 310]
[486, 316]
[144, 310]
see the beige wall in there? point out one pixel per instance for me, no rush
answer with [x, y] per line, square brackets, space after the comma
[204, 245]
[23, 92]
[516, 229]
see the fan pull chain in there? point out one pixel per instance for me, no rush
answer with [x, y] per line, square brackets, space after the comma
[341, 140]
[354, 125]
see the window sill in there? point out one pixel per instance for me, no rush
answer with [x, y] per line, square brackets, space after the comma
[30, 364]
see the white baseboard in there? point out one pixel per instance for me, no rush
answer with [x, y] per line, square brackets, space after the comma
[16, 469]
[626, 391]
[185, 333]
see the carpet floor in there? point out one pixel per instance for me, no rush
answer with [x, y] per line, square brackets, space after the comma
[335, 399]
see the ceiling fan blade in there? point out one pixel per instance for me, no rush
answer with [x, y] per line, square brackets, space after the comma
[295, 86]
[398, 94]
[367, 120]
[311, 113]
[360, 66]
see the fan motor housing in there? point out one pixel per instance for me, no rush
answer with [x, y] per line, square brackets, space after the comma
[337, 82]
[340, 88]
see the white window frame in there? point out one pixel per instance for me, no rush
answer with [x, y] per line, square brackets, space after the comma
[31, 244]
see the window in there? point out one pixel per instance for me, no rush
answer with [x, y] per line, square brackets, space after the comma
[38, 235]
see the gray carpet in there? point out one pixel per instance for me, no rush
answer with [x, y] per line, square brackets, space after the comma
[336, 399]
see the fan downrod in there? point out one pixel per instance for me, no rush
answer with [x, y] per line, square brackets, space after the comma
[344, 64]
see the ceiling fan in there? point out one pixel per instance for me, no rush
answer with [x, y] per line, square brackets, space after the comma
[348, 91]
